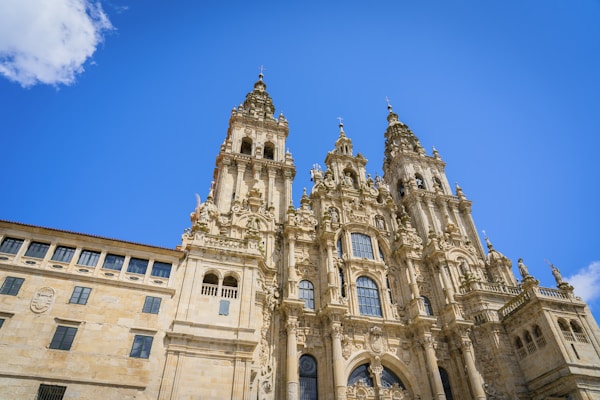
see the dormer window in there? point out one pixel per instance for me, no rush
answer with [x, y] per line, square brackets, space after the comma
[269, 151]
[246, 147]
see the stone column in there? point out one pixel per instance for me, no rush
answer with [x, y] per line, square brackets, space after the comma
[271, 172]
[339, 380]
[241, 168]
[292, 278]
[434, 373]
[292, 359]
[447, 285]
[287, 176]
[474, 377]
[331, 271]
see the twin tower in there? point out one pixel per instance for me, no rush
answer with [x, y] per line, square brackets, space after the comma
[373, 288]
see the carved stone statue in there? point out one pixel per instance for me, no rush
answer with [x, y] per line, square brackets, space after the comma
[523, 269]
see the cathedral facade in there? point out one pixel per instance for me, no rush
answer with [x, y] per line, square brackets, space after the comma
[372, 288]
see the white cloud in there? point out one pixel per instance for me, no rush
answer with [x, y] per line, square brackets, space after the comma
[48, 41]
[587, 282]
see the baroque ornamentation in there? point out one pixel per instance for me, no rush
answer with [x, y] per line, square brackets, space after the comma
[42, 300]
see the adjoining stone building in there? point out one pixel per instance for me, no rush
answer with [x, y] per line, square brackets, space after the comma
[373, 288]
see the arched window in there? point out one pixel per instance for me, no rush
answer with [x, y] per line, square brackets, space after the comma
[308, 378]
[210, 285]
[401, 191]
[362, 246]
[566, 331]
[246, 147]
[229, 289]
[578, 332]
[342, 283]
[520, 348]
[427, 305]
[361, 374]
[307, 293]
[368, 297]
[388, 379]
[437, 183]
[339, 248]
[539, 336]
[269, 151]
[419, 181]
[529, 343]
[446, 384]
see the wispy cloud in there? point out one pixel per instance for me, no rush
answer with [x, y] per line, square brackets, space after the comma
[587, 282]
[48, 41]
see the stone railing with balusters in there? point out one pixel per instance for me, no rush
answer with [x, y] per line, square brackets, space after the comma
[489, 287]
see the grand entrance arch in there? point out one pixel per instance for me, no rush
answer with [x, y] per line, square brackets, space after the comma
[370, 381]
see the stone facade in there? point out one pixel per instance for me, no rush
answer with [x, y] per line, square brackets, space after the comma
[373, 288]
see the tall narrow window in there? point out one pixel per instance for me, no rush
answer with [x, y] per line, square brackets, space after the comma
[401, 190]
[269, 151]
[37, 250]
[141, 346]
[137, 266]
[63, 337]
[427, 305]
[63, 254]
[246, 147]
[342, 283]
[368, 297]
[10, 245]
[151, 305]
[161, 269]
[446, 384]
[11, 286]
[307, 293]
[308, 378]
[80, 295]
[362, 246]
[339, 248]
[89, 258]
[419, 181]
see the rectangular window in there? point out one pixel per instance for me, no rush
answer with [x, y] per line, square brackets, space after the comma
[37, 250]
[151, 305]
[137, 266]
[63, 254]
[51, 392]
[113, 262]
[161, 269]
[10, 245]
[362, 246]
[224, 307]
[141, 346]
[89, 258]
[11, 285]
[2, 321]
[80, 295]
[63, 338]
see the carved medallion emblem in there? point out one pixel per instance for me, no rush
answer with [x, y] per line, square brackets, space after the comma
[42, 300]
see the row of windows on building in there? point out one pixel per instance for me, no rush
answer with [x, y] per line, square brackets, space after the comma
[88, 258]
[528, 344]
[420, 182]
[268, 151]
[65, 335]
[80, 294]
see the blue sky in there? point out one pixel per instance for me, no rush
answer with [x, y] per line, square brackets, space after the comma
[113, 112]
